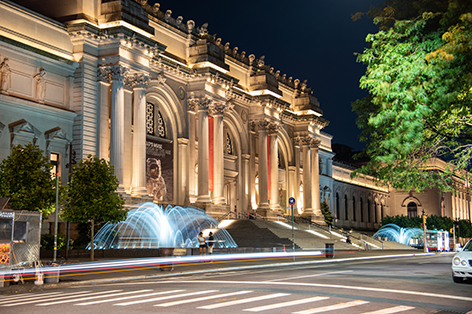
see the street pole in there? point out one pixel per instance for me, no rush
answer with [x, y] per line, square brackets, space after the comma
[57, 210]
[425, 245]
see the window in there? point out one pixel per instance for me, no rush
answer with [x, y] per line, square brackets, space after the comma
[338, 214]
[368, 210]
[155, 124]
[362, 210]
[346, 216]
[353, 208]
[229, 145]
[412, 210]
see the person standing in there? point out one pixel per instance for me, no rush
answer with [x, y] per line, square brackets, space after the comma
[202, 243]
[211, 242]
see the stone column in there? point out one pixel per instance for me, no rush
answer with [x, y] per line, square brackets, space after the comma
[274, 168]
[117, 135]
[217, 110]
[307, 192]
[182, 171]
[203, 152]
[192, 147]
[252, 165]
[245, 197]
[263, 169]
[103, 77]
[297, 144]
[315, 177]
[138, 185]
[330, 167]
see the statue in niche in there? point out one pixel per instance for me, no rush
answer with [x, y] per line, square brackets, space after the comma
[5, 75]
[40, 84]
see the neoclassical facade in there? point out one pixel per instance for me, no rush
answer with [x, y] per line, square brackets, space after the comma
[183, 117]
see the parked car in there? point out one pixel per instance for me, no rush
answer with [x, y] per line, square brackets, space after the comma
[462, 264]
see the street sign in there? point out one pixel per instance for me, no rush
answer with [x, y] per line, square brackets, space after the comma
[291, 201]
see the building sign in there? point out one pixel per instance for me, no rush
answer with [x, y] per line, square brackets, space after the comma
[159, 170]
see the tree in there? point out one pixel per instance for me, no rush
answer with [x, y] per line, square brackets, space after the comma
[90, 196]
[419, 79]
[25, 178]
[328, 217]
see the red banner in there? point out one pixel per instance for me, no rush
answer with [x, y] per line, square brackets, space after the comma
[210, 153]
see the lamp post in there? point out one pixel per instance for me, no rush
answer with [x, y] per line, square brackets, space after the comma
[425, 243]
[56, 164]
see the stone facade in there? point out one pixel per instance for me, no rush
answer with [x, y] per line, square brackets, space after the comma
[183, 117]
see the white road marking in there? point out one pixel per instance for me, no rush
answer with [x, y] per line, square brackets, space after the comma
[165, 298]
[316, 275]
[332, 307]
[28, 296]
[202, 298]
[285, 304]
[93, 297]
[42, 298]
[229, 303]
[130, 297]
[415, 293]
[391, 310]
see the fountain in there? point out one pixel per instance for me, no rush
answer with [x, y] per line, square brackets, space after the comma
[401, 235]
[149, 226]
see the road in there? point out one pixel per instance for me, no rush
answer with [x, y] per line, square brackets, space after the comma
[403, 285]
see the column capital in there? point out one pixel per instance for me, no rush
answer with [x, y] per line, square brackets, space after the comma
[217, 108]
[103, 73]
[273, 128]
[262, 125]
[305, 140]
[140, 80]
[200, 104]
[118, 72]
[315, 143]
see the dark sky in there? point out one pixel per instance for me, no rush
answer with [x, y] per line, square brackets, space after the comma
[312, 40]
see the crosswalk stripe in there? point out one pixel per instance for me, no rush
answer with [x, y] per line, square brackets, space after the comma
[165, 298]
[94, 297]
[130, 297]
[391, 310]
[332, 307]
[27, 296]
[264, 297]
[43, 298]
[202, 298]
[284, 304]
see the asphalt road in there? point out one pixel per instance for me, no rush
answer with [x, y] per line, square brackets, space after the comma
[403, 285]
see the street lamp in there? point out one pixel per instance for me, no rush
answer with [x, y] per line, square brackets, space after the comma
[55, 162]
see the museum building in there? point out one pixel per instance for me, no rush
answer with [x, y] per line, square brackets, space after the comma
[182, 116]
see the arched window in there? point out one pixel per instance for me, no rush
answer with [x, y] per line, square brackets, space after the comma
[155, 124]
[368, 210]
[362, 210]
[346, 216]
[375, 213]
[412, 210]
[229, 145]
[353, 208]
[338, 215]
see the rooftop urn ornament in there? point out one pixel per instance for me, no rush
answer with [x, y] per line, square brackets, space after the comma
[190, 26]
[203, 29]
[156, 7]
[260, 62]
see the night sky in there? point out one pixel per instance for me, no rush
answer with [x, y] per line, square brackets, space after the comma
[312, 40]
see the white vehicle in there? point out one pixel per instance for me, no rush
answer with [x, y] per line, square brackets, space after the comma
[462, 264]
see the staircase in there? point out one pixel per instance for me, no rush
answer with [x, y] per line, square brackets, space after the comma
[262, 233]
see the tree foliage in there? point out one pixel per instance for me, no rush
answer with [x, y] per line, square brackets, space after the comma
[25, 178]
[419, 79]
[90, 196]
[328, 217]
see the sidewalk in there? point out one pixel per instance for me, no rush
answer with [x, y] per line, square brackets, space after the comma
[131, 269]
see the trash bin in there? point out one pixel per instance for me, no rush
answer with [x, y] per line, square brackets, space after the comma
[329, 252]
[51, 272]
[166, 252]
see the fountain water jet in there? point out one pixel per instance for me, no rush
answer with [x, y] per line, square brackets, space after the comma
[398, 234]
[149, 226]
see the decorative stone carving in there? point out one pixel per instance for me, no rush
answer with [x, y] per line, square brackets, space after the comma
[251, 59]
[203, 30]
[273, 128]
[103, 74]
[40, 84]
[315, 143]
[252, 127]
[5, 75]
[260, 62]
[305, 140]
[140, 80]
[181, 93]
[244, 115]
[190, 26]
[262, 124]
[118, 72]
[167, 16]
[218, 108]
[155, 8]
[200, 103]
[161, 79]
